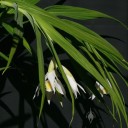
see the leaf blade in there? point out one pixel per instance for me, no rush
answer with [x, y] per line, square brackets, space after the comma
[40, 68]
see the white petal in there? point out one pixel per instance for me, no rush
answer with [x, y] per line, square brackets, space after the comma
[51, 77]
[46, 77]
[67, 72]
[34, 97]
[92, 97]
[51, 66]
[49, 96]
[61, 104]
[99, 86]
[72, 81]
[81, 87]
[109, 83]
[49, 102]
[73, 85]
[37, 91]
[59, 87]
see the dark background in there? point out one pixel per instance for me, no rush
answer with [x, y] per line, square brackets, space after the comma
[18, 112]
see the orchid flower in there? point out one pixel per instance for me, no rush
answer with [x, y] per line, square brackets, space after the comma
[101, 89]
[52, 78]
[74, 85]
[56, 83]
[53, 84]
[49, 91]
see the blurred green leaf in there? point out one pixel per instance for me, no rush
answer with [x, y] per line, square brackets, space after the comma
[26, 45]
[16, 36]
[2, 68]
[3, 56]
[8, 28]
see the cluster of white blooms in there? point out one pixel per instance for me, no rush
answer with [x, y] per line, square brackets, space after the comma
[53, 84]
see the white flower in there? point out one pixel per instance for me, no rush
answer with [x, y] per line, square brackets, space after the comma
[52, 78]
[101, 89]
[51, 88]
[53, 84]
[49, 91]
[74, 85]
[56, 83]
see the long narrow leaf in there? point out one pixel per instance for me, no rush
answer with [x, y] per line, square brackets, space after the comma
[47, 21]
[9, 28]
[77, 33]
[2, 55]
[63, 75]
[2, 68]
[118, 98]
[83, 62]
[79, 13]
[74, 53]
[17, 34]
[26, 45]
[75, 12]
[40, 67]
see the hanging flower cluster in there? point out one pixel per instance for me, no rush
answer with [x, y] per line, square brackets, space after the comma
[54, 86]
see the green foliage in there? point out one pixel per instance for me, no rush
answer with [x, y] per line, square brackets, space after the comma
[47, 22]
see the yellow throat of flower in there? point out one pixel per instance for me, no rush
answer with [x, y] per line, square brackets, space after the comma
[48, 86]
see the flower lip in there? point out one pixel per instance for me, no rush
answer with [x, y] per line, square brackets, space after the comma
[50, 76]
[48, 86]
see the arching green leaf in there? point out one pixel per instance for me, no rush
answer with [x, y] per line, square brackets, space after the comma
[40, 67]
[79, 13]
